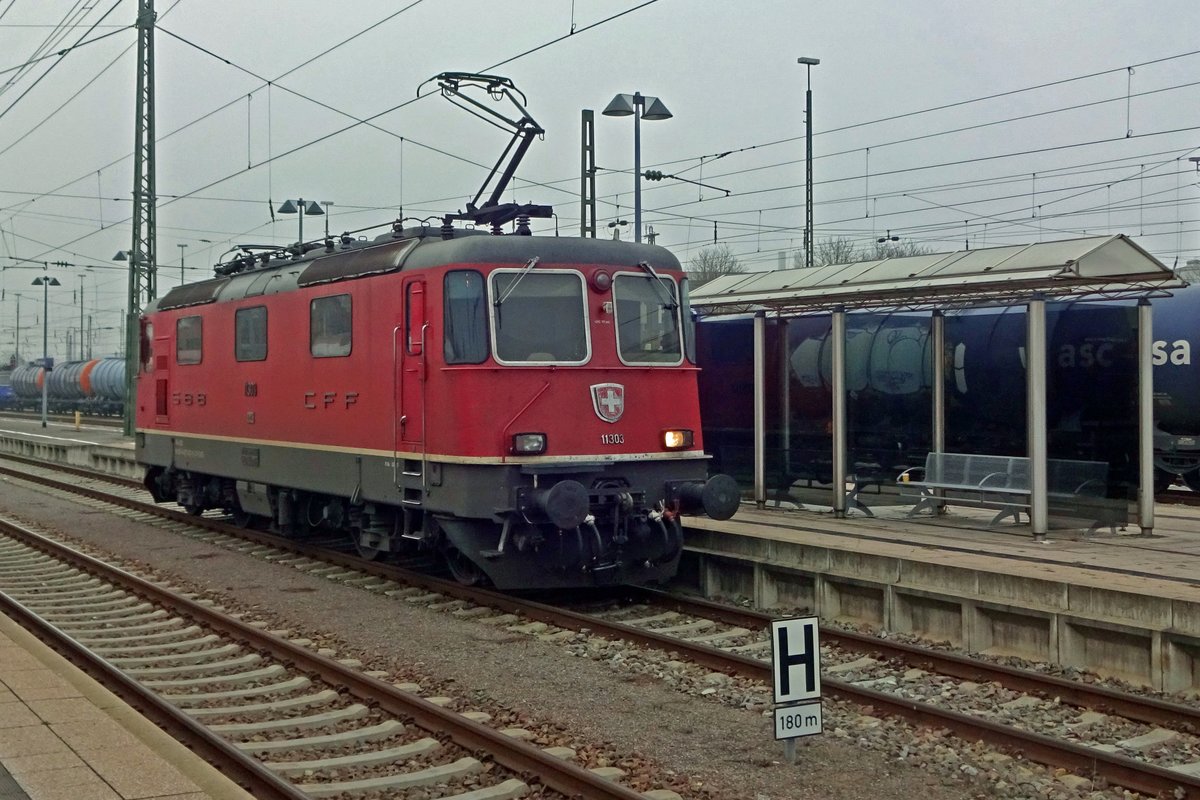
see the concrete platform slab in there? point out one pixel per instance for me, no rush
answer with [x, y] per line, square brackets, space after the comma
[1122, 605]
[75, 740]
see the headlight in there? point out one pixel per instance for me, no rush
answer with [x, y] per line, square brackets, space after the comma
[529, 444]
[677, 439]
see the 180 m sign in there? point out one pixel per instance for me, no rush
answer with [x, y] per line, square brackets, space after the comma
[795, 721]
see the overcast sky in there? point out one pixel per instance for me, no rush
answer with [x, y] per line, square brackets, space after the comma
[1099, 154]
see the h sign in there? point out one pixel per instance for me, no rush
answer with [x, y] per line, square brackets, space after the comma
[796, 659]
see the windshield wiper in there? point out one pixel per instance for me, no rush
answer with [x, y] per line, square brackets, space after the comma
[653, 276]
[530, 264]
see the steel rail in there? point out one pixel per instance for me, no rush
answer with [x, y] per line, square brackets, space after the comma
[514, 754]
[1118, 769]
[1143, 709]
[221, 754]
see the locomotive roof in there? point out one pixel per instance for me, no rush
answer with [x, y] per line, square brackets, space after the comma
[1109, 267]
[413, 248]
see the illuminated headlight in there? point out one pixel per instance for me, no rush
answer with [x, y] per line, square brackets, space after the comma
[677, 439]
[529, 444]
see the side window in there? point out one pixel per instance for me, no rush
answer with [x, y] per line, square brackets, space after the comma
[250, 329]
[329, 326]
[147, 345]
[188, 340]
[414, 318]
[466, 334]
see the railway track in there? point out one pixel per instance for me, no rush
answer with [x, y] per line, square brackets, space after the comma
[288, 722]
[1149, 745]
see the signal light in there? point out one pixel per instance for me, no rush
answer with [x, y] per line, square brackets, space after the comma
[677, 439]
[529, 444]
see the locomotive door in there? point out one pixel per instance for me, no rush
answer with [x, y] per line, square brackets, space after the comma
[158, 359]
[410, 347]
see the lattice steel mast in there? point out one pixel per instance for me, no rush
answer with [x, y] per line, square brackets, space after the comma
[142, 262]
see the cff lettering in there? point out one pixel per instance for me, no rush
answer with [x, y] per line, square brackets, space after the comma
[328, 399]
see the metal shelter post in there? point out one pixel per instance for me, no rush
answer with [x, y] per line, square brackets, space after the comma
[839, 411]
[785, 394]
[937, 345]
[760, 408]
[1035, 393]
[1145, 417]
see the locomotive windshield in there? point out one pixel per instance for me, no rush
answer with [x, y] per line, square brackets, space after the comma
[539, 317]
[647, 320]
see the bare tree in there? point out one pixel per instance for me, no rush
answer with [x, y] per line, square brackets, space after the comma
[711, 263]
[831, 251]
[879, 250]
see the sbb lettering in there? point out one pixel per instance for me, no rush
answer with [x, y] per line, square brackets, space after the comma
[189, 398]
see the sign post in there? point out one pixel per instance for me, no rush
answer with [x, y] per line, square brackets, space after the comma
[796, 669]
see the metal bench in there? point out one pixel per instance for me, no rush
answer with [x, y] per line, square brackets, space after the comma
[1074, 488]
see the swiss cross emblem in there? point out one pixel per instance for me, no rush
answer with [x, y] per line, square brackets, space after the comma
[609, 401]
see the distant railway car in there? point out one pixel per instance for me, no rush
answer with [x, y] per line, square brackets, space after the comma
[94, 386]
[1091, 387]
[525, 406]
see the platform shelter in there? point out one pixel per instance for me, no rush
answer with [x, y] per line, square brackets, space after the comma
[1096, 268]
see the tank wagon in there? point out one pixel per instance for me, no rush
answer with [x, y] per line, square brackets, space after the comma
[1092, 378]
[525, 406]
[95, 386]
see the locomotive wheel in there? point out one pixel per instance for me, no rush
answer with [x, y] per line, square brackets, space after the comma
[193, 510]
[365, 551]
[462, 568]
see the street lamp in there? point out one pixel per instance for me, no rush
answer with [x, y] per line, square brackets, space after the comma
[313, 209]
[181, 247]
[808, 63]
[327, 204]
[45, 282]
[649, 108]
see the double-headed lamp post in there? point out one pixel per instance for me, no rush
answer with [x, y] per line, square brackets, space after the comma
[313, 209]
[808, 63]
[649, 108]
[45, 281]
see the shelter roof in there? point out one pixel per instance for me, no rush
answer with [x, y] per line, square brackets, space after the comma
[1109, 267]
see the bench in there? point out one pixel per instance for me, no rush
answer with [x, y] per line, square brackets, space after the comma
[1073, 488]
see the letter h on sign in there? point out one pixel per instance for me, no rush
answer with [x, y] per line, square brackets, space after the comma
[796, 659]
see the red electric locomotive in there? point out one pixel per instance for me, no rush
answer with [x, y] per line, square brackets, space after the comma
[524, 405]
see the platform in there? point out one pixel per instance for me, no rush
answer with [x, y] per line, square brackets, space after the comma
[1122, 604]
[99, 447]
[64, 737]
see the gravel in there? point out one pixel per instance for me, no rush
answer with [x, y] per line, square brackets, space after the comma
[703, 734]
